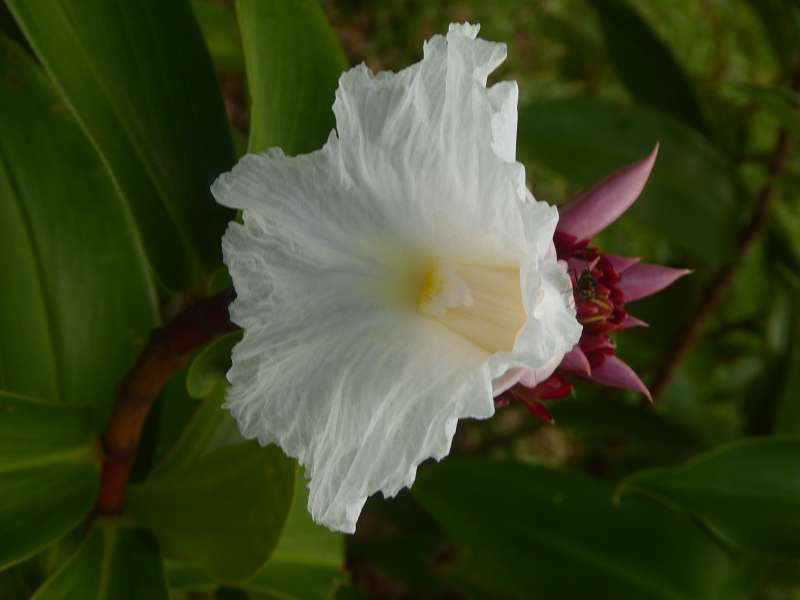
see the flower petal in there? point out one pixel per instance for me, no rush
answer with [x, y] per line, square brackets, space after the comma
[529, 378]
[575, 361]
[359, 395]
[598, 207]
[631, 321]
[337, 365]
[417, 141]
[615, 373]
[642, 280]
[621, 263]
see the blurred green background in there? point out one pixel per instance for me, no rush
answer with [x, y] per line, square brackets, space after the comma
[115, 117]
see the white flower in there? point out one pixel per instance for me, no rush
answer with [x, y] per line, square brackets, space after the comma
[394, 281]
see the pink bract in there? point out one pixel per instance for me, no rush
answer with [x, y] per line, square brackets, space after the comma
[602, 285]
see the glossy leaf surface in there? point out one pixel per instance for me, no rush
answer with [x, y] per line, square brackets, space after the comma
[113, 563]
[65, 236]
[49, 473]
[238, 490]
[293, 64]
[308, 560]
[747, 492]
[523, 531]
[139, 78]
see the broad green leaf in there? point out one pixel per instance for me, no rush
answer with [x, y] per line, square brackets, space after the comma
[73, 325]
[645, 64]
[139, 78]
[210, 427]
[747, 492]
[216, 501]
[221, 32]
[20, 581]
[526, 532]
[49, 474]
[307, 562]
[293, 64]
[114, 563]
[691, 197]
[9, 28]
[183, 577]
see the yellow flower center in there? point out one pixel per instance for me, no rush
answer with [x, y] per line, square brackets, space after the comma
[482, 304]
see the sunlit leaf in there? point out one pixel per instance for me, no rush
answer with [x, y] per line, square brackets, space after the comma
[114, 563]
[139, 78]
[49, 474]
[747, 492]
[526, 532]
[293, 63]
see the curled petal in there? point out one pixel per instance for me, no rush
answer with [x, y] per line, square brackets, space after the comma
[529, 378]
[616, 373]
[621, 263]
[631, 321]
[575, 361]
[642, 280]
[595, 209]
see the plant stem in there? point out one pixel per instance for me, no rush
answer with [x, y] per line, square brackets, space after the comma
[167, 352]
[716, 291]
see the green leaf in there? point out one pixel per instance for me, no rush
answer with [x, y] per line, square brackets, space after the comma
[114, 563]
[49, 474]
[210, 365]
[20, 581]
[308, 560]
[139, 78]
[747, 492]
[216, 501]
[645, 64]
[691, 197]
[221, 32]
[527, 532]
[65, 237]
[293, 64]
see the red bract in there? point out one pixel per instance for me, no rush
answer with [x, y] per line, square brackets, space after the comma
[602, 284]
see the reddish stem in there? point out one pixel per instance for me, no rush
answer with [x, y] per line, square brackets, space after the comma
[168, 350]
